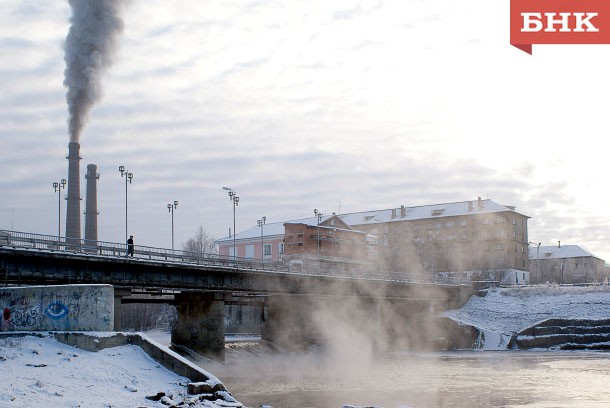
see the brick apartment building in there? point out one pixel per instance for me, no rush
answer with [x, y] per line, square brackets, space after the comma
[331, 243]
[469, 236]
[478, 235]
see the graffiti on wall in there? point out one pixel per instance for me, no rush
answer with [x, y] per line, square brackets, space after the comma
[21, 315]
[79, 307]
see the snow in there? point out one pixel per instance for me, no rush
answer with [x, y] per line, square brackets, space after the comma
[504, 312]
[42, 372]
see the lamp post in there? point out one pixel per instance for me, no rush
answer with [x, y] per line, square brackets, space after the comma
[318, 216]
[260, 223]
[128, 176]
[171, 208]
[235, 199]
[57, 186]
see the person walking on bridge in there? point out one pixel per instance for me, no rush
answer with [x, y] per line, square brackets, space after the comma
[130, 246]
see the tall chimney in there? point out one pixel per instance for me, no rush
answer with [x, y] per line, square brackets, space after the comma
[73, 207]
[91, 203]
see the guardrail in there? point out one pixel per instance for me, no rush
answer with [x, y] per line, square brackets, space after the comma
[119, 250]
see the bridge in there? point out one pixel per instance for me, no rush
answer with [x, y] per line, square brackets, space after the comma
[200, 284]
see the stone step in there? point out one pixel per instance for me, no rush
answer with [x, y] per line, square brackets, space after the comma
[556, 340]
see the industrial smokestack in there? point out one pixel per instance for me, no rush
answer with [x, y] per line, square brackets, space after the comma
[73, 207]
[91, 204]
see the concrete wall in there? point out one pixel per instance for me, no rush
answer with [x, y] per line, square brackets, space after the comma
[69, 307]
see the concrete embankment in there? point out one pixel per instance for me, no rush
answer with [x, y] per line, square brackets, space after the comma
[565, 334]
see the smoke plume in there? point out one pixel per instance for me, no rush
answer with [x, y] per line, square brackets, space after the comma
[89, 51]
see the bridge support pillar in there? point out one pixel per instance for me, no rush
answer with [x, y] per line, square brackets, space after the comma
[201, 326]
[287, 322]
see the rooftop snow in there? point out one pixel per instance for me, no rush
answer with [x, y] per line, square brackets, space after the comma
[382, 216]
[556, 252]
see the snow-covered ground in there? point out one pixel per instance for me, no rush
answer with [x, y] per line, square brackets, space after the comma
[42, 372]
[504, 312]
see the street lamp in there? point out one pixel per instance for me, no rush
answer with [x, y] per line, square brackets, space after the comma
[128, 176]
[319, 216]
[260, 223]
[57, 186]
[235, 199]
[171, 208]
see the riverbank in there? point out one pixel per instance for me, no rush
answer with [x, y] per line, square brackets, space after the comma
[40, 371]
[501, 313]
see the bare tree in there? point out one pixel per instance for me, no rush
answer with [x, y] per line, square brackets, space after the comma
[201, 243]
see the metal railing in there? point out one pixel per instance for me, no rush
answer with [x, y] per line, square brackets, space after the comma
[162, 255]
[119, 250]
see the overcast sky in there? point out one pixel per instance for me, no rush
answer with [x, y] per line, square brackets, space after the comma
[339, 105]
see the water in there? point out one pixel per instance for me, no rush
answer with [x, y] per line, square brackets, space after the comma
[417, 380]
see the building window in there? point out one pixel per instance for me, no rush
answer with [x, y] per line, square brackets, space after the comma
[267, 249]
[250, 251]
[499, 220]
[499, 247]
[281, 248]
[450, 224]
[300, 235]
[463, 223]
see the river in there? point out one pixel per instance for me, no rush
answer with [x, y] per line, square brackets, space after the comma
[417, 380]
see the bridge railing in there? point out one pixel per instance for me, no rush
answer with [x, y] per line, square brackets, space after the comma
[113, 249]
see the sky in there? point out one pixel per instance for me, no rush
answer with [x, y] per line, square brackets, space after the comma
[341, 106]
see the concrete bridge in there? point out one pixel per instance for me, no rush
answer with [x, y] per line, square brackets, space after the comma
[292, 303]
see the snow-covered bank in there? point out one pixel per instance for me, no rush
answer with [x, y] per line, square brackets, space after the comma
[42, 372]
[501, 313]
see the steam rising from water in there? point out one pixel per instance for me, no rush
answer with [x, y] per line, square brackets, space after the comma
[89, 51]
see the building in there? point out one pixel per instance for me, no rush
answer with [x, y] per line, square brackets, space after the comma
[470, 236]
[478, 237]
[565, 264]
[328, 243]
[264, 241]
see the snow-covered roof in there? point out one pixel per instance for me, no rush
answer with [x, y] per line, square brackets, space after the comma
[486, 206]
[559, 252]
[271, 229]
[425, 211]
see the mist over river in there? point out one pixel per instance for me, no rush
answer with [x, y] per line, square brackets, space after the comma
[537, 379]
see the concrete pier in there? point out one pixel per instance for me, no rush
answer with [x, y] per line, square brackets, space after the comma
[200, 326]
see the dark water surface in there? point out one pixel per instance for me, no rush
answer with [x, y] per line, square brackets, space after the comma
[417, 380]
